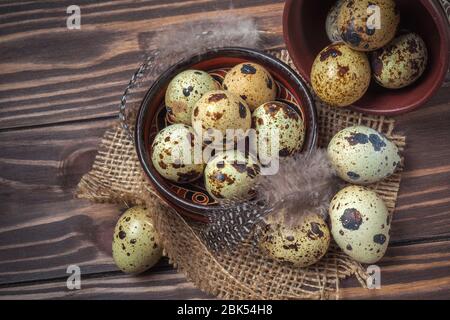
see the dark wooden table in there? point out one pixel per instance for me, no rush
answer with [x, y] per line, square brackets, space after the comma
[59, 91]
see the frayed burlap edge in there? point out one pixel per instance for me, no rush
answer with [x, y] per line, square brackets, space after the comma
[245, 273]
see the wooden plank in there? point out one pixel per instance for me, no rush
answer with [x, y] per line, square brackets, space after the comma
[43, 229]
[424, 201]
[418, 271]
[159, 285]
[81, 74]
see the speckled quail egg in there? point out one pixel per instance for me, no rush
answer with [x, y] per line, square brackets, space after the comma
[135, 245]
[340, 76]
[231, 175]
[251, 82]
[360, 223]
[184, 91]
[221, 111]
[361, 155]
[278, 117]
[173, 154]
[401, 62]
[367, 25]
[331, 25]
[301, 244]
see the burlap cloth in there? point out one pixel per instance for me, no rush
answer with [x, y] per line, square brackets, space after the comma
[245, 273]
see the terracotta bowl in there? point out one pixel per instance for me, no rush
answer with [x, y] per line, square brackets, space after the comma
[305, 36]
[192, 199]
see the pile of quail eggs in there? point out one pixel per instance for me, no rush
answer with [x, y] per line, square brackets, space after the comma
[366, 44]
[197, 105]
[194, 99]
[359, 220]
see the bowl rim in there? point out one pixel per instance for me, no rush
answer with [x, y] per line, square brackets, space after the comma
[246, 53]
[441, 22]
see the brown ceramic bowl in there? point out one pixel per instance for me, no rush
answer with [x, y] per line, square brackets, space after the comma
[305, 36]
[192, 199]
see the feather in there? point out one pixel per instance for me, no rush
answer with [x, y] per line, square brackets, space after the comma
[178, 42]
[304, 184]
[232, 224]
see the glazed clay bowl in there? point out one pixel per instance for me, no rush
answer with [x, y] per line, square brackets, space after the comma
[305, 36]
[192, 199]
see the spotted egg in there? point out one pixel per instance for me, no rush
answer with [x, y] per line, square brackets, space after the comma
[401, 62]
[368, 25]
[251, 82]
[184, 91]
[278, 118]
[219, 111]
[360, 223]
[136, 246]
[340, 76]
[361, 155]
[173, 154]
[331, 23]
[301, 244]
[231, 175]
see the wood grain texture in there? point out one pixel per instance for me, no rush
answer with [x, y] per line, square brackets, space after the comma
[59, 91]
[49, 74]
[156, 285]
[417, 271]
[43, 229]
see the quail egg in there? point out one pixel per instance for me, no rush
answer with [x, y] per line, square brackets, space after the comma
[340, 76]
[135, 244]
[173, 154]
[301, 244]
[251, 82]
[367, 25]
[278, 118]
[401, 62]
[184, 91]
[221, 111]
[360, 223]
[231, 175]
[331, 23]
[361, 155]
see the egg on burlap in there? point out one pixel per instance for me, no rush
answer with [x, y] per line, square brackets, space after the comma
[360, 223]
[362, 155]
[301, 243]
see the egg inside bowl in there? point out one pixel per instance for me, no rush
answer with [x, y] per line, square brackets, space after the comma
[304, 28]
[192, 199]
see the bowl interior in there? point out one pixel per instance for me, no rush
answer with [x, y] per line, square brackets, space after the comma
[193, 198]
[304, 29]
